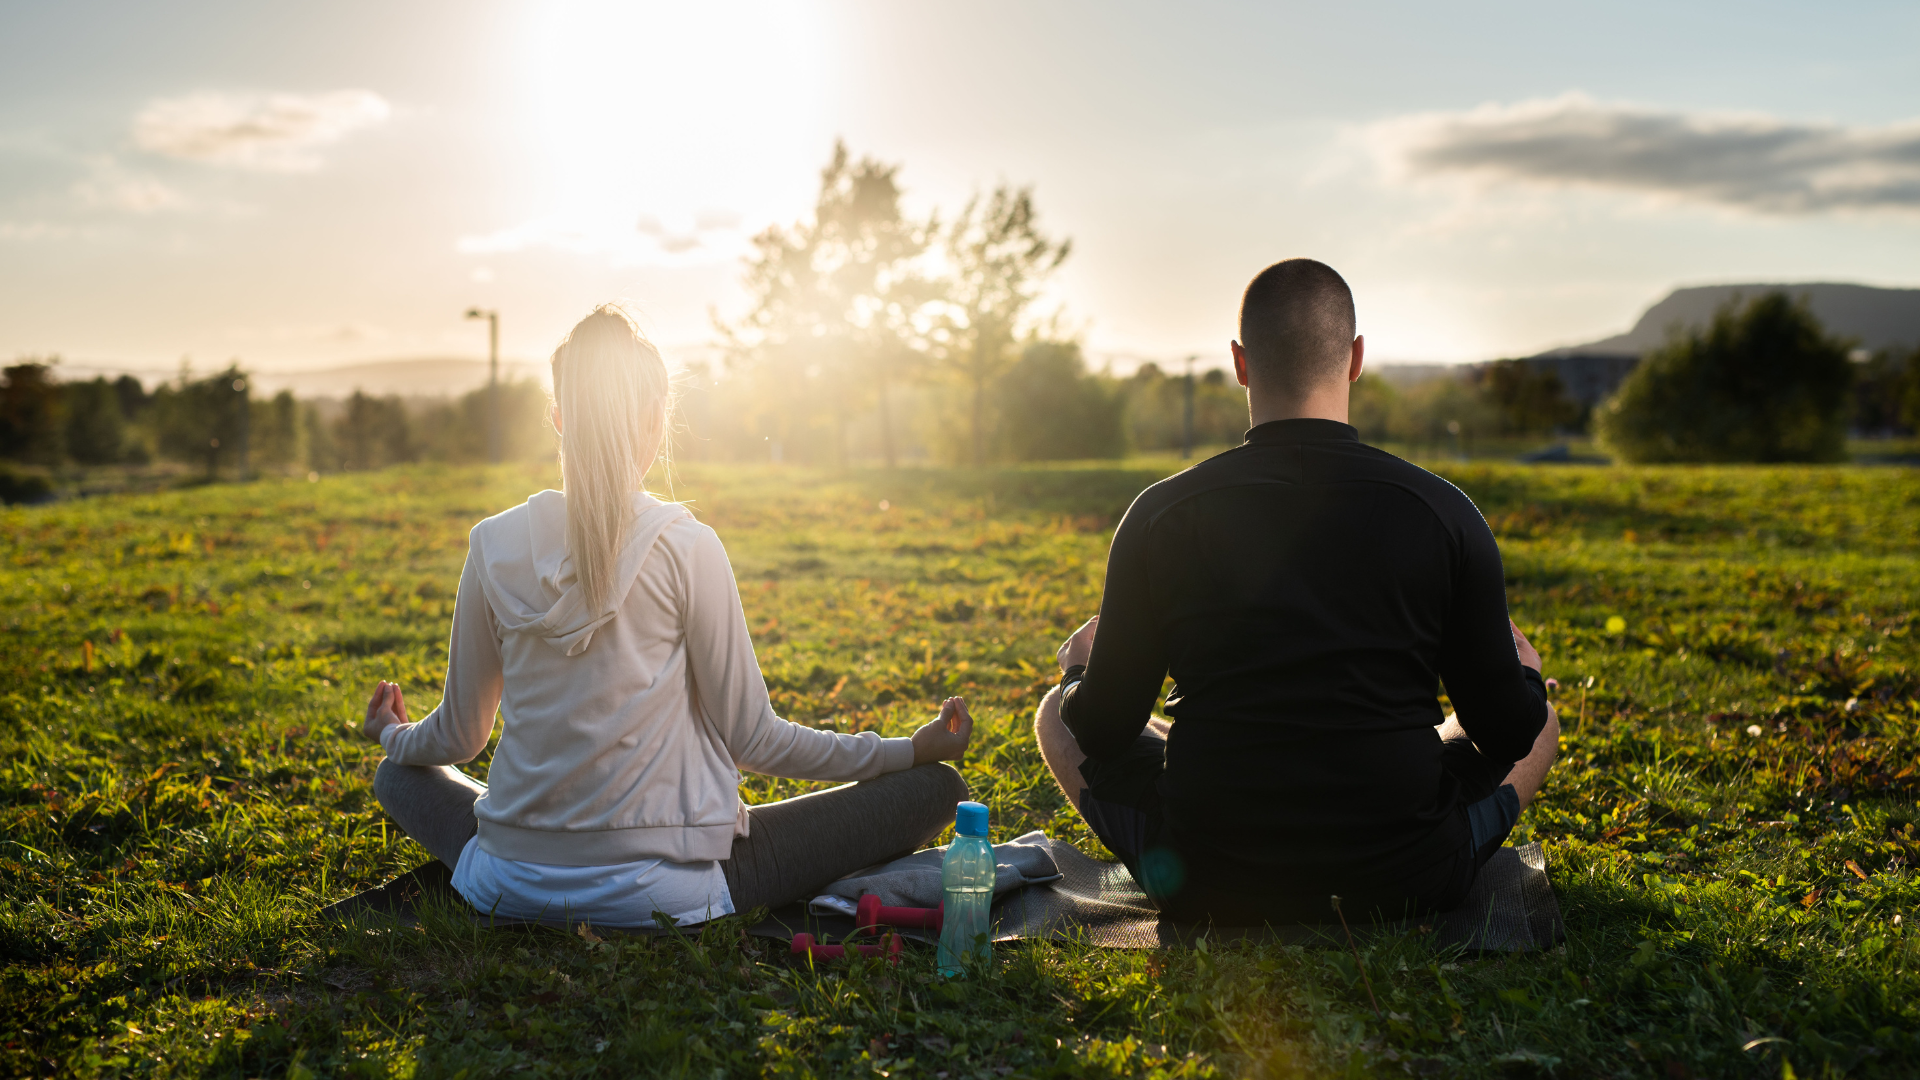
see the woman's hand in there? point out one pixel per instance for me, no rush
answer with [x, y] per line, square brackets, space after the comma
[384, 709]
[945, 738]
[1529, 656]
[1079, 646]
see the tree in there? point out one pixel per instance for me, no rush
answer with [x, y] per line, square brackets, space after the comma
[836, 299]
[1051, 410]
[317, 437]
[997, 259]
[1529, 398]
[457, 430]
[1763, 382]
[1156, 409]
[1910, 391]
[374, 433]
[132, 396]
[134, 402]
[96, 431]
[32, 414]
[1886, 393]
[275, 432]
[1371, 406]
[202, 419]
[1443, 410]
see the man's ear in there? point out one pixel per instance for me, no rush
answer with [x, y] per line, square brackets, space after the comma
[1359, 358]
[1239, 362]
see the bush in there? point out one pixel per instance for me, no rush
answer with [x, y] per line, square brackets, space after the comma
[23, 487]
[1764, 382]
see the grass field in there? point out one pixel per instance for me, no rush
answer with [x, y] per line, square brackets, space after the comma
[1730, 830]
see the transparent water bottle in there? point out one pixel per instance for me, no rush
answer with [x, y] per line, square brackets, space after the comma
[966, 884]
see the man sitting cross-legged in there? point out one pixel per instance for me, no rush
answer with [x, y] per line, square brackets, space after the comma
[1308, 594]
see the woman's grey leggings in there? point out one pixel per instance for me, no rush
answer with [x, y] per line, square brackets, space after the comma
[792, 847]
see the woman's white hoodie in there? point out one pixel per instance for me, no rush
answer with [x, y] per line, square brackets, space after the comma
[624, 728]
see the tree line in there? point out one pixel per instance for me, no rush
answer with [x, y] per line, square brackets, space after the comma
[1044, 405]
[218, 423]
[1763, 382]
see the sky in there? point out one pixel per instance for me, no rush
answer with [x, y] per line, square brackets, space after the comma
[296, 186]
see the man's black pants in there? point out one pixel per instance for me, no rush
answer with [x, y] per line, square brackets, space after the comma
[1123, 804]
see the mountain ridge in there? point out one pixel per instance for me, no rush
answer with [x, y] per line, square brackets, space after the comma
[1874, 317]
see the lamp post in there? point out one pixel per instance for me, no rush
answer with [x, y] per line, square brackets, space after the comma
[493, 379]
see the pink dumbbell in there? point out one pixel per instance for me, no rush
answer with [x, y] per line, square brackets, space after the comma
[870, 916]
[803, 944]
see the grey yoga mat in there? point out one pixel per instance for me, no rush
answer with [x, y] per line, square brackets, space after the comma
[1512, 908]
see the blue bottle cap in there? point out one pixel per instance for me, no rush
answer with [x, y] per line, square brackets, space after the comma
[970, 819]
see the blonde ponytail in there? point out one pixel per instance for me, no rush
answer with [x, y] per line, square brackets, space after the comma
[613, 393]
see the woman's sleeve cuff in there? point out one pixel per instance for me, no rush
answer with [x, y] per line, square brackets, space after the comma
[387, 735]
[896, 755]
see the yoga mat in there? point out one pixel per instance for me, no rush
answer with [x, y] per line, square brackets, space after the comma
[1512, 908]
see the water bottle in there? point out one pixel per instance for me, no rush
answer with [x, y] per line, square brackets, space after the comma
[966, 884]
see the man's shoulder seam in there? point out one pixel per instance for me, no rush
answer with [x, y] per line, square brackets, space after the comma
[1164, 490]
[1426, 478]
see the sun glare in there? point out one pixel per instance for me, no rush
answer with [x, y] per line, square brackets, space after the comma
[664, 133]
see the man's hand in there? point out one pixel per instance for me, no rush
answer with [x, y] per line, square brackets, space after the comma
[1078, 647]
[1529, 656]
[384, 709]
[945, 738]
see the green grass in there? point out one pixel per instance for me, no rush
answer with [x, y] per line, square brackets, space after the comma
[180, 796]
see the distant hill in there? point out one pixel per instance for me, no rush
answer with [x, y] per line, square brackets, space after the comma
[1876, 318]
[423, 377]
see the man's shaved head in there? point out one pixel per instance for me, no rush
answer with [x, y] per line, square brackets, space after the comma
[1297, 326]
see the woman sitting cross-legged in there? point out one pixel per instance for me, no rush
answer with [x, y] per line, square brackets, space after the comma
[606, 627]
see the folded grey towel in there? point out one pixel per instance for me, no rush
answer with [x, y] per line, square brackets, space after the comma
[914, 880]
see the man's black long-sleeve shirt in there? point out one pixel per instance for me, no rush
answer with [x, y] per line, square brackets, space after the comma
[1308, 593]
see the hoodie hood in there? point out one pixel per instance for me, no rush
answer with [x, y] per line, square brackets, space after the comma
[528, 573]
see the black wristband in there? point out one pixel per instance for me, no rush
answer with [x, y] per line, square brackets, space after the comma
[1073, 674]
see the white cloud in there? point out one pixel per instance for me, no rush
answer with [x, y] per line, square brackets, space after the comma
[271, 133]
[111, 187]
[710, 236]
[1745, 161]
